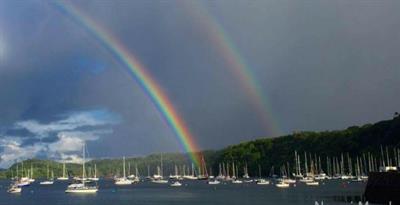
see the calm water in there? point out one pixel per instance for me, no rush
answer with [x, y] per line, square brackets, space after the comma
[191, 192]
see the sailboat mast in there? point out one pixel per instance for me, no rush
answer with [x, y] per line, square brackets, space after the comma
[83, 165]
[124, 166]
[161, 171]
[64, 170]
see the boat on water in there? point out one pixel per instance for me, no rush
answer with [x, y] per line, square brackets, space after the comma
[23, 182]
[64, 176]
[358, 179]
[237, 181]
[14, 188]
[306, 179]
[282, 185]
[214, 182]
[176, 184]
[157, 176]
[160, 181]
[263, 182]
[49, 181]
[123, 180]
[94, 177]
[82, 188]
[176, 176]
[191, 176]
[246, 172]
[203, 174]
[31, 179]
[320, 176]
[312, 183]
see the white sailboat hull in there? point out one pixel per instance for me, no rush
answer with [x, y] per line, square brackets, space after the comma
[263, 182]
[46, 183]
[160, 181]
[82, 190]
[123, 182]
[190, 177]
[282, 185]
[237, 182]
[315, 183]
[24, 183]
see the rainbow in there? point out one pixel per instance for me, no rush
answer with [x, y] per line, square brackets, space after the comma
[230, 54]
[141, 76]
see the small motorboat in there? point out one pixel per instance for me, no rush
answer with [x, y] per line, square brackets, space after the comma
[176, 184]
[48, 182]
[237, 181]
[282, 185]
[262, 182]
[215, 182]
[160, 181]
[14, 189]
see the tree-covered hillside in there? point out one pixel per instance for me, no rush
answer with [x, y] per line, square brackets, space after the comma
[278, 151]
[266, 152]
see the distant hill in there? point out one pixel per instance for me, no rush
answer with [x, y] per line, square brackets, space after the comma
[266, 152]
[278, 151]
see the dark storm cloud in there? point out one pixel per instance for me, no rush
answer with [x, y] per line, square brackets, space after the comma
[321, 65]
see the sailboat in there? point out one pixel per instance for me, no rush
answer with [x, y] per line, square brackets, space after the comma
[176, 175]
[31, 179]
[23, 181]
[246, 172]
[94, 178]
[235, 177]
[136, 178]
[123, 180]
[64, 176]
[190, 177]
[203, 175]
[49, 181]
[130, 176]
[158, 178]
[82, 187]
[260, 180]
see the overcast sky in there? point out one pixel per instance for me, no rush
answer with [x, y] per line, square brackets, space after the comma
[320, 65]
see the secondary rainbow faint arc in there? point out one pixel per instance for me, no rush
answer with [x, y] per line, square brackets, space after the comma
[141, 75]
[230, 54]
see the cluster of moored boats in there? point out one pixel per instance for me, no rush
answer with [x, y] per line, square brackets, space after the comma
[311, 173]
[80, 185]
